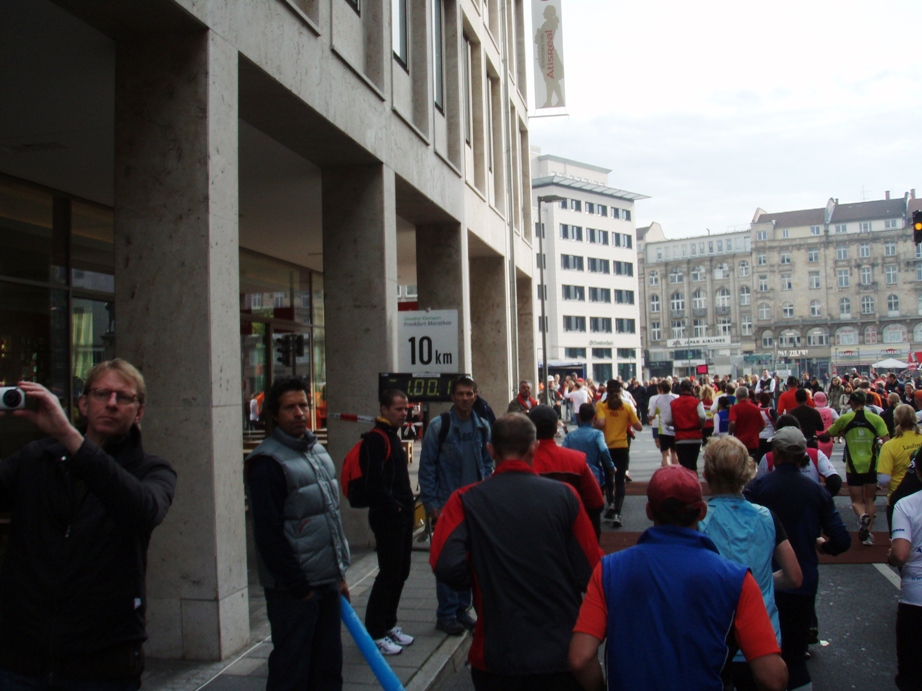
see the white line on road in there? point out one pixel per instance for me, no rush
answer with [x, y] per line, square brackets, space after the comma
[888, 573]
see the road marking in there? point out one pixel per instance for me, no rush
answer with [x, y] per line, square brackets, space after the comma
[887, 573]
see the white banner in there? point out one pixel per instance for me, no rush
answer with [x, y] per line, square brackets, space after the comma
[546, 23]
[427, 341]
[697, 341]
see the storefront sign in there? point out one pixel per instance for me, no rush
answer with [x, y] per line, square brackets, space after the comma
[699, 341]
[794, 353]
[427, 341]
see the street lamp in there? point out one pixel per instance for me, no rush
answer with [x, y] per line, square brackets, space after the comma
[542, 294]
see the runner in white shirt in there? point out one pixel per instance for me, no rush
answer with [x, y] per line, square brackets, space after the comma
[660, 406]
[906, 553]
[577, 397]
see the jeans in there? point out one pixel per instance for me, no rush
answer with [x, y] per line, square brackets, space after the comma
[794, 614]
[393, 543]
[307, 648]
[9, 681]
[451, 602]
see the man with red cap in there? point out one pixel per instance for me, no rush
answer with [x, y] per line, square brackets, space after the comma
[667, 604]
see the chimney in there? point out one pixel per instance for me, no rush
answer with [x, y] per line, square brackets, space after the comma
[887, 195]
[912, 193]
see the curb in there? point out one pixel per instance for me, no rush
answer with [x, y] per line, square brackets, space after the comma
[448, 658]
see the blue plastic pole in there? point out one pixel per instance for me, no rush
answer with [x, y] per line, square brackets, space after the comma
[373, 656]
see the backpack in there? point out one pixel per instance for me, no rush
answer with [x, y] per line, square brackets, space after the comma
[350, 478]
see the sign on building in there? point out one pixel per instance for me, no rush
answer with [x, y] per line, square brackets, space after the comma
[697, 341]
[427, 341]
[548, 42]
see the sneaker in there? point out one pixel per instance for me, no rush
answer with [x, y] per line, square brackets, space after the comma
[467, 621]
[387, 646]
[397, 635]
[627, 476]
[616, 522]
[609, 513]
[869, 540]
[864, 528]
[450, 626]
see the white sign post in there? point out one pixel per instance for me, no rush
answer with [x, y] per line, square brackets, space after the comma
[428, 341]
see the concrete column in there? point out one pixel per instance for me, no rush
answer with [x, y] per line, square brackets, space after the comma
[527, 324]
[441, 275]
[360, 303]
[490, 341]
[177, 291]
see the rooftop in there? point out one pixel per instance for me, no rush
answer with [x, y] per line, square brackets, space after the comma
[586, 186]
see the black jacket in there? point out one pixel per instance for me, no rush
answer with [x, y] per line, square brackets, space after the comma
[387, 478]
[72, 588]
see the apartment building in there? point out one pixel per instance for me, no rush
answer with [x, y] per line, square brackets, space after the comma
[815, 290]
[590, 289]
[228, 192]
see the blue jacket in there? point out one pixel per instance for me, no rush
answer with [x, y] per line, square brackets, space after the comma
[591, 442]
[671, 602]
[440, 470]
[745, 533]
[805, 509]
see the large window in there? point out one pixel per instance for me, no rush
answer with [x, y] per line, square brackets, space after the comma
[765, 311]
[845, 308]
[677, 302]
[574, 323]
[723, 299]
[893, 305]
[675, 276]
[654, 303]
[602, 295]
[842, 276]
[817, 337]
[895, 333]
[745, 295]
[654, 277]
[867, 305]
[814, 278]
[438, 67]
[400, 32]
[697, 274]
[746, 325]
[699, 300]
[744, 269]
[656, 332]
[787, 310]
[787, 282]
[768, 339]
[891, 272]
[569, 261]
[600, 324]
[816, 308]
[573, 292]
[847, 335]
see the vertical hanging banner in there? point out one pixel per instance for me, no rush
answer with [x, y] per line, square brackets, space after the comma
[549, 68]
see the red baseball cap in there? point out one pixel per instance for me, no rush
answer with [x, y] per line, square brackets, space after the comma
[674, 482]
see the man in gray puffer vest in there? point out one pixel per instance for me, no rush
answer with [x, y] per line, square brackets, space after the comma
[301, 547]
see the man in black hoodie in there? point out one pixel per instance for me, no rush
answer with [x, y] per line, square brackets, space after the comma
[390, 515]
[84, 503]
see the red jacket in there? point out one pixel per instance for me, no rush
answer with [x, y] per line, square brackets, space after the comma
[568, 465]
[685, 417]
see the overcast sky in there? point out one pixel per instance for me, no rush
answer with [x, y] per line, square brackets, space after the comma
[716, 108]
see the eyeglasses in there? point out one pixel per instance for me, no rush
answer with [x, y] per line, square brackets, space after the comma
[104, 395]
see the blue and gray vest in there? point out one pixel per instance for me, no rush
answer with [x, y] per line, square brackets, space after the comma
[745, 533]
[671, 603]
[312, 526]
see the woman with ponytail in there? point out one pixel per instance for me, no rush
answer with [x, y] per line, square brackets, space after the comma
[615, 417]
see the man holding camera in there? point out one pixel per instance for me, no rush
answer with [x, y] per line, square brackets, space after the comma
[84, 503]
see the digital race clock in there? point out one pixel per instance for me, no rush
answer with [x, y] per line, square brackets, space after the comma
[419, 387]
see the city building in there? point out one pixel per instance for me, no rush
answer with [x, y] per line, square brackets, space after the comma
[590, 276]
[815, 290]
[226, 192]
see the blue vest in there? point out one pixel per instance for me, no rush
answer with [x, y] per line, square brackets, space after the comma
[745, 533]
[671, 602]
[312, 524]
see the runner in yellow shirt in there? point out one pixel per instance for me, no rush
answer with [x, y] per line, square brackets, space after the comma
[614, 417]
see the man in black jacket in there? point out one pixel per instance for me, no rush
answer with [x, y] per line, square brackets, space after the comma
[84, 504]
[390, 515]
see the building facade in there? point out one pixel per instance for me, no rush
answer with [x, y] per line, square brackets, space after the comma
[225, 193]
[590, 285]
[816, 290]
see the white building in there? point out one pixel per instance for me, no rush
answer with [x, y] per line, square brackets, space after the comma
[592, 318]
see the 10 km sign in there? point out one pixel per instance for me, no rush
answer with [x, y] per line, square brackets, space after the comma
[428, 341]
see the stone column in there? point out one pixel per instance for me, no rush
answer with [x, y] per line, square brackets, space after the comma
[528, 354]
[360, 303]
[490, 340]
[441, 274]
[177, 292]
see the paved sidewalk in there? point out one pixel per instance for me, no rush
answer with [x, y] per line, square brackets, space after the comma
[418, 667]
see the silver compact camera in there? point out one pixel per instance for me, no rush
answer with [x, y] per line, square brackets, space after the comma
[12, 398]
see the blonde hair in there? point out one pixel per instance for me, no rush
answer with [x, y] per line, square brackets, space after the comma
[707, 394]
[727, 465]
[124, 369]
[905, 418]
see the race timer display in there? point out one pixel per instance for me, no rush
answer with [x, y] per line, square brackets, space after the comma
[419, 387]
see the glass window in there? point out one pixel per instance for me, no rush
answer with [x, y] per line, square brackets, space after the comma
[785, 233]
[575, 353]
[768, 339]
[746, 327]
[723, 298]
[654, 278]
[745, 295]
[699, 300]
[602, 353]
[816, 308]
[845, 307]
[92, 247]
[654, 303]
[865, 275]
[867, 305]
[814, 230]
[675, 276]
[697, 274]
[700, 328]
[400, 31]
[814, 280]
[842, 276]
[785, 257]
[817, 337]
[438, 69]
[30, 247]
[889, 249]
[893, 304]
[763, 284]
[864, 250]
[842, 252]
[787, 282]
[744, 269]
[678, 328]
[762, 259]
[891, 273]
[677, 302]
[870, 335]
[765, 311]
[813, 256]
[895, 333]
[847, 335]
[656, 332]
[787, 310]
[283, 289]
[841, 228]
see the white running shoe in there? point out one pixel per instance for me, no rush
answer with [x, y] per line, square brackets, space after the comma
[616, 522]
[387, 646]
[397, 635]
